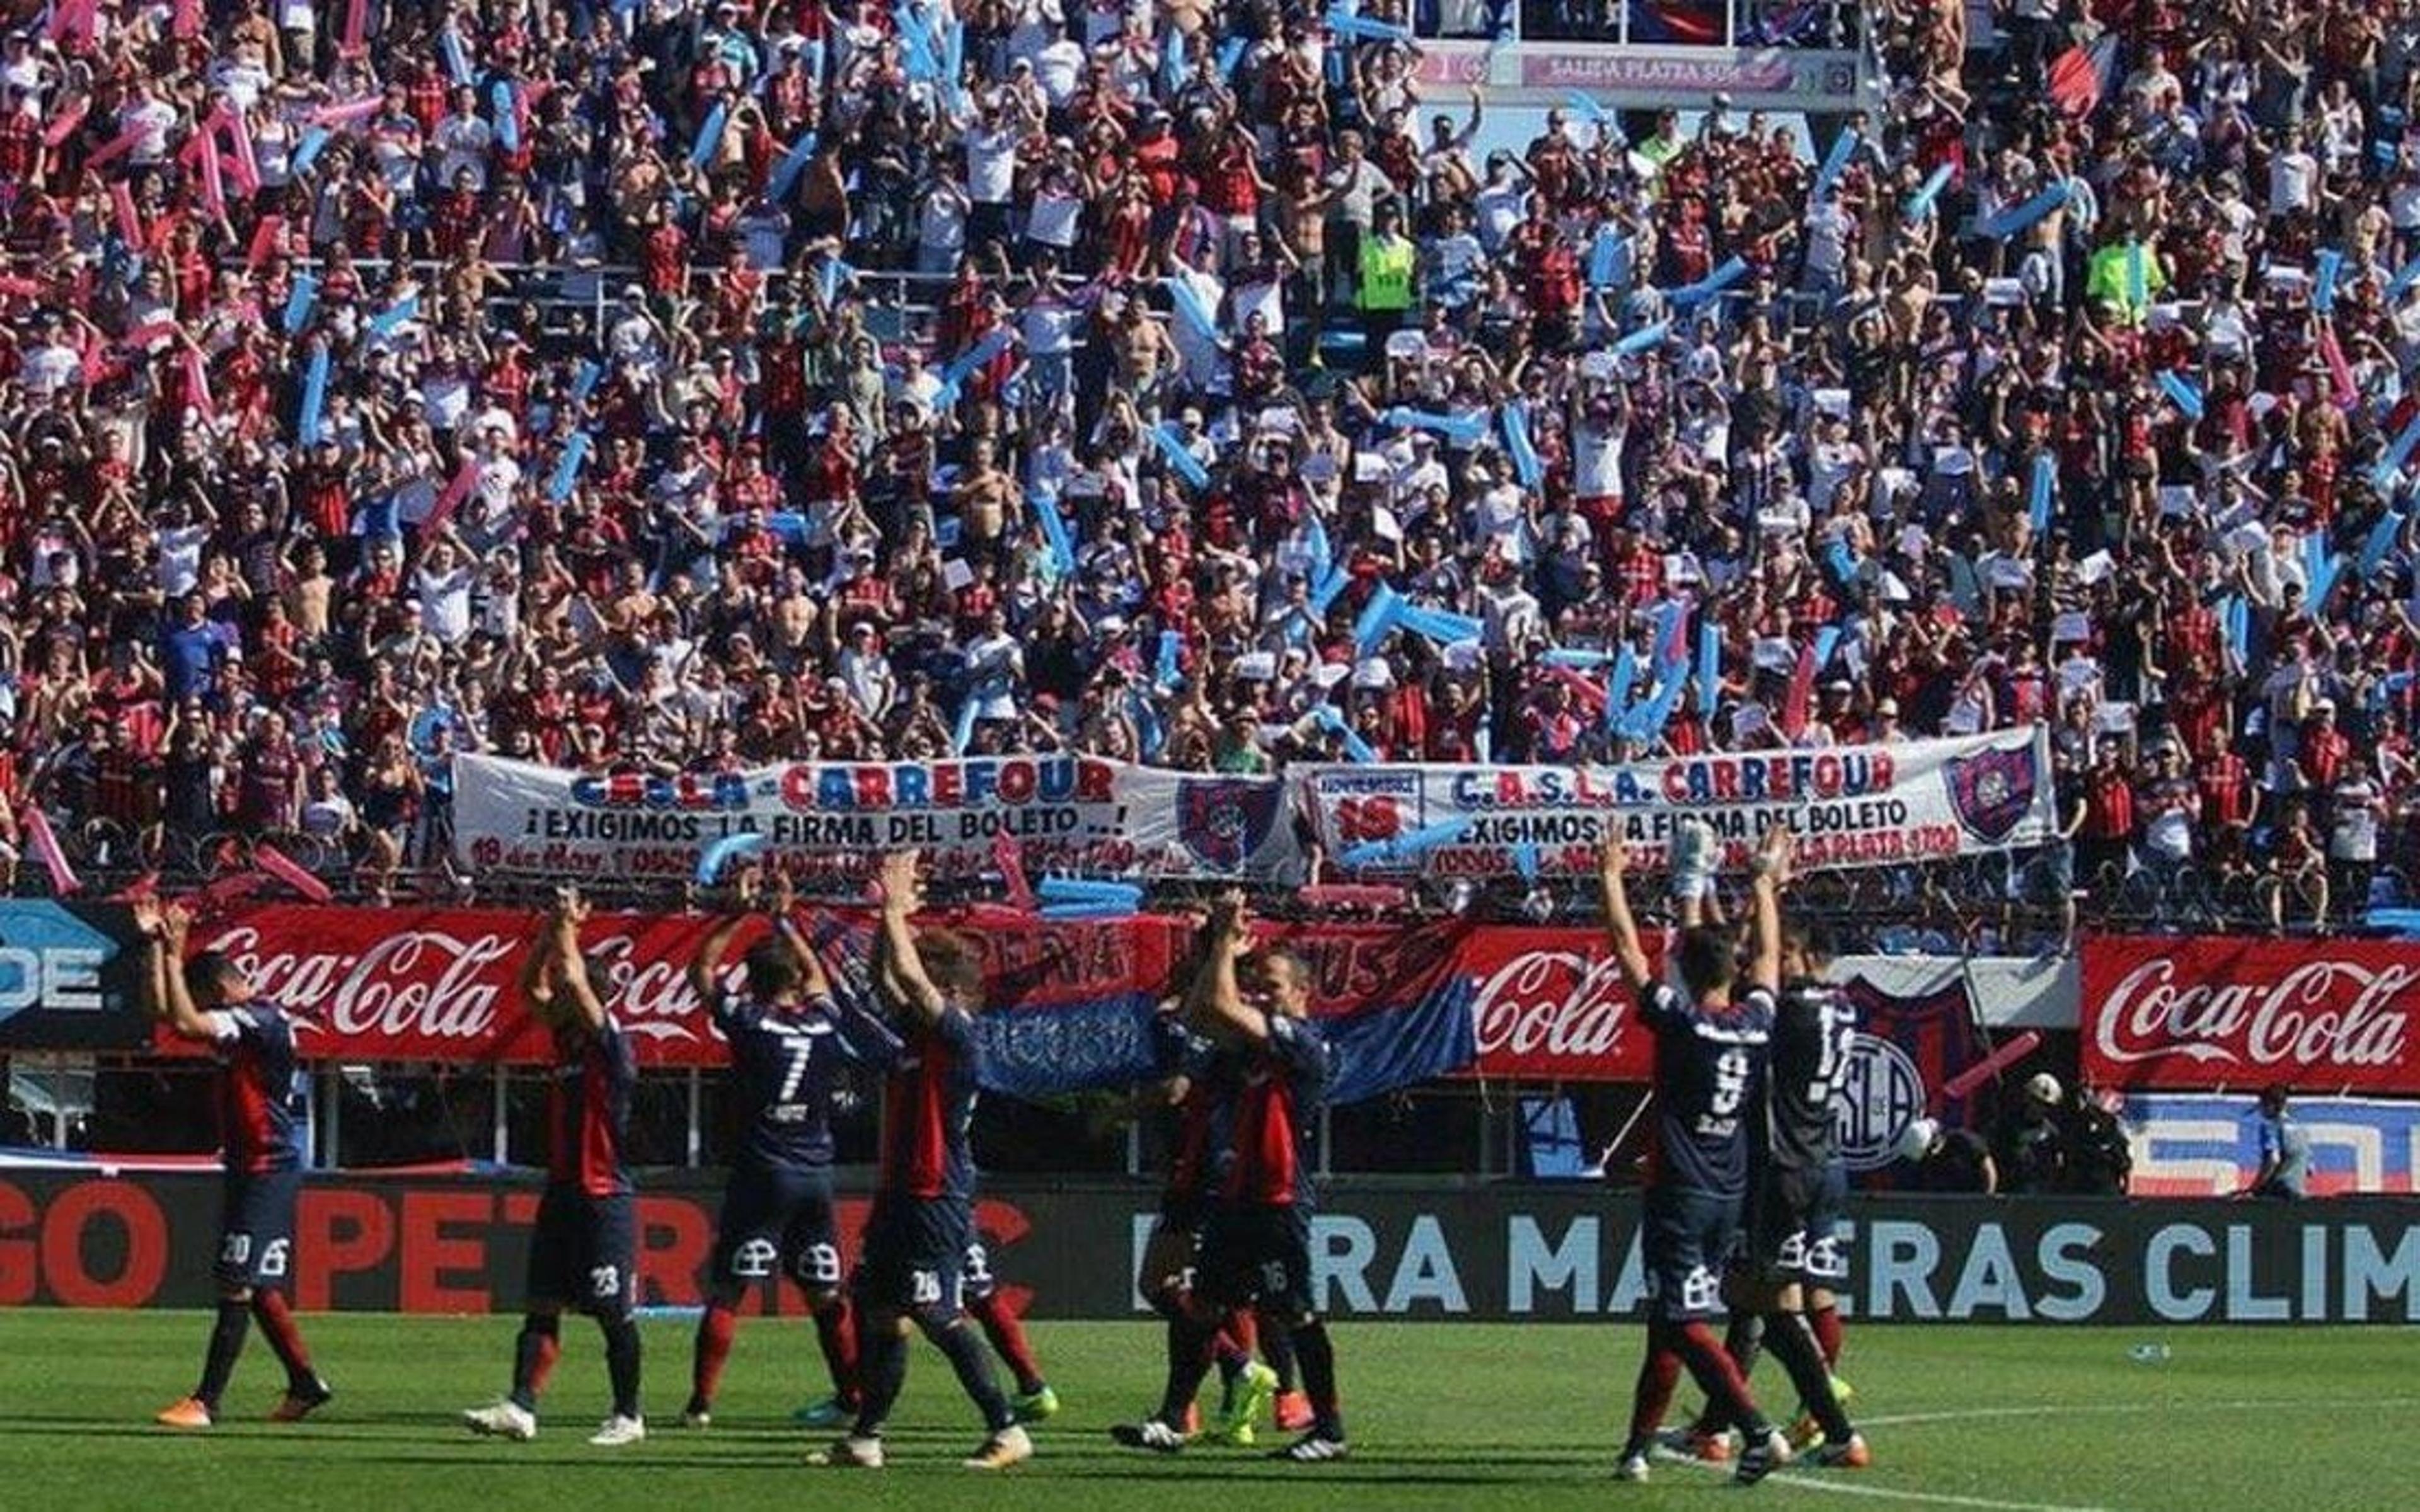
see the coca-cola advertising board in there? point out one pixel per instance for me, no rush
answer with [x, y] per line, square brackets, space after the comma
[442, 983]
[1550, 1005]
[2203, 1013]
[1425, 1000]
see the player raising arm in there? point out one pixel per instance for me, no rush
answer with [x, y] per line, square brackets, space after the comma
[209, 1000]
[790, 1041]
[1256, 1241]
[915, 1242]
[1710, 1051]
[584, 1249]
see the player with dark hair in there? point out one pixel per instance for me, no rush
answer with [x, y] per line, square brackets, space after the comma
[1256, 1241]
[583, 1251]
[1710, 1043]
[209, 1001]
[790, 1039]
[916, 1237]
[1797, 1192]
[1198, 1083]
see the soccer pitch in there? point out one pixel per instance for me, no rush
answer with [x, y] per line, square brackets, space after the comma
[2029, 1419]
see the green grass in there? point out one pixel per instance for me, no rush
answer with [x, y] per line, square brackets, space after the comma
[1443, 1415]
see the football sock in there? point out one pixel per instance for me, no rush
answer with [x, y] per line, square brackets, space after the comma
[226, 1343]
[1793, 1345]
[1007, 1336]
[1277, 1348]
[882, 1370]
[967, 1357]
[836, 1335]
[1318, 1356]
[534, 1356]
[1826, 1322]
[1657, 1374]
[622, 1364]
[1717, 1377]
[715, 1328]
[276, 1318]
[1744, 1341]
[1188, 1361]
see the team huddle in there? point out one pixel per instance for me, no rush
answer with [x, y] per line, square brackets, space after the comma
[1744, 1193]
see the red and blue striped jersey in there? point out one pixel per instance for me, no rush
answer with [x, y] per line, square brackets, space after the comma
[588, 1109]
[260, 1091]
[1277, 1107]
[928, 1108]
[1204, 1116]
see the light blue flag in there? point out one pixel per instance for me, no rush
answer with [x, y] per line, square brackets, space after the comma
[723, 852]
[2187, 398]
[1643, 338]
[1731, 272]
[1525, 463]
[710, 136]
[307, 153]
[1171, 446]
[1054, 531]
[1835, 162]
[2017, 217]
[299, 302]
[508, 121]
[1377, 619]
[1356, 748]
[567, 466]
[2380, 541]
[386, 321]
[1710, 667]
[793, 164]
[1919, 205]
[314, 396]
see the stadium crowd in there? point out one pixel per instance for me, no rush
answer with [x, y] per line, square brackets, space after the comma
[676, 384]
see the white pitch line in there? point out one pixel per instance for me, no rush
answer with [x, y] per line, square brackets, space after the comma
[1890, 1493]
[1842, 1488]
[1977, 1414]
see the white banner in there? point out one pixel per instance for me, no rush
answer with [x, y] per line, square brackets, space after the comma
[835, 818]
[1851, 805]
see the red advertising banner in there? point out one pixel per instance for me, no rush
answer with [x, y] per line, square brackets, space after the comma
[442, 983]
[2207, 1012]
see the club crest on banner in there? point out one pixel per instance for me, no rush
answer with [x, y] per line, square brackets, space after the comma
[1222, 823]
[1992, 790]
[1881, 1093]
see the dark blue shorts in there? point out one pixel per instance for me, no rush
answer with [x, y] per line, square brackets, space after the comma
[778, 1220]
[1689, 1239]
[1257, 1253]
[257, 1228]
[915, 1255]
[1794, 1232]
[583, 1253]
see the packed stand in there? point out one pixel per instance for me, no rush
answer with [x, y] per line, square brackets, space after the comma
[671, 386]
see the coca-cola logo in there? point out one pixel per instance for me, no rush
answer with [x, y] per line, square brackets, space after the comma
[2321, 1014]
[436, 984]
[1559, 1005]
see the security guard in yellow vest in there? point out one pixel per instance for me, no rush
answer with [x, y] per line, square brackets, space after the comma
[1383, 290]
